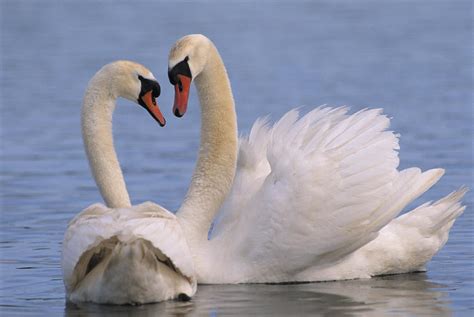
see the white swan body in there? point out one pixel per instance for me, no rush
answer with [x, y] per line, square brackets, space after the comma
[139, 256]
[307, 199]
[122, 254]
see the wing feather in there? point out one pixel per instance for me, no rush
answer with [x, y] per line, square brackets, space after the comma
[316, 188]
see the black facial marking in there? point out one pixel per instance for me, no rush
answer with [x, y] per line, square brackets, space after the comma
[147, 85]
[182, 68]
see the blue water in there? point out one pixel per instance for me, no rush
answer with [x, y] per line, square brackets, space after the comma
[412, 58]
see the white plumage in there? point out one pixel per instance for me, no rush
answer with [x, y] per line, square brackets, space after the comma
[311, 192]
[127, 243]
[308, 198]
[123, 254]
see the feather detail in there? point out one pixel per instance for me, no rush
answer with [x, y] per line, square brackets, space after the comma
[126, 241]
[311, 190]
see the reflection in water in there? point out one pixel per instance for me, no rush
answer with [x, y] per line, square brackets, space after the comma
[407, 294]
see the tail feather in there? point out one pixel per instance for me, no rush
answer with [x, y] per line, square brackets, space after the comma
[433, 218]
[411, 240]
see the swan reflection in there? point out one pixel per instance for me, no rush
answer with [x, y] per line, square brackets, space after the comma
[407, 294]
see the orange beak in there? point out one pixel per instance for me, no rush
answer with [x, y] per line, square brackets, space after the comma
[152, 108]
[181, 95]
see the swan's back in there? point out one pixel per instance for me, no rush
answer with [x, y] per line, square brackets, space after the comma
[128, 255]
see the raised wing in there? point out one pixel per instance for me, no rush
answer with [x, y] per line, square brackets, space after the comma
[310, 190]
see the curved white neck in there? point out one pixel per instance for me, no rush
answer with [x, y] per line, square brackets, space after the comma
[215, 169]
[96, 120]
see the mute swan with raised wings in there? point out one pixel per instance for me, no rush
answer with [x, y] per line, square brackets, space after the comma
[308, 198]
[119, 253]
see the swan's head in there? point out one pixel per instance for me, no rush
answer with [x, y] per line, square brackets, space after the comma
[134, 82]
[187, 59]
